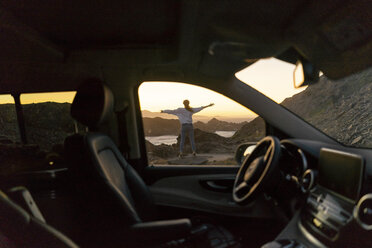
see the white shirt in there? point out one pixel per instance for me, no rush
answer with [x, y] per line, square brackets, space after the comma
[183, 114]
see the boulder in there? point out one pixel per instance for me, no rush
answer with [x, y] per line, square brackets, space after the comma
[160, 151]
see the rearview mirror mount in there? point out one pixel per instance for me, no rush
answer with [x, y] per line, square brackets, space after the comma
[305, 73]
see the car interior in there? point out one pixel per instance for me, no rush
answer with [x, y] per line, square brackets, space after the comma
[296, 187]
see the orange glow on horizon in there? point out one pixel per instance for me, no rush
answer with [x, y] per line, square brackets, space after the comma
[6, 99]
[60, 97]
[157, 96]
[272, 77]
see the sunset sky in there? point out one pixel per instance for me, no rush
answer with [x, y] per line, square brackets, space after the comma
[272, 77]
[40, 97]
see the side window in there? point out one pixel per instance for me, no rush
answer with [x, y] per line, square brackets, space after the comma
[47, 119]
[9, 132]
[204, 130]
[47, 123]
[9, 136]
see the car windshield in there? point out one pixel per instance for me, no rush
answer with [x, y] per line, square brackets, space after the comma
[339, 108]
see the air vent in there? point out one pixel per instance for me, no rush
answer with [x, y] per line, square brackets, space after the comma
[363, 212]
[307, 181]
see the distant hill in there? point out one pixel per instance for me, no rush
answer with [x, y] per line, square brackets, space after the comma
[46, 123]
[249, 132]
[198, 117]
[149, 114]
[8, 122]
[158, 126]
[216, 125]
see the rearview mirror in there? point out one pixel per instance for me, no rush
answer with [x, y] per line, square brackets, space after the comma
[243, 151]
[305, 73]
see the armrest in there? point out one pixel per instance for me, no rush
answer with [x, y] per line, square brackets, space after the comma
[164, 230]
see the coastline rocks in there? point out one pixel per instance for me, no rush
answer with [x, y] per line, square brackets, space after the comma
[207, 143]
[160, 151]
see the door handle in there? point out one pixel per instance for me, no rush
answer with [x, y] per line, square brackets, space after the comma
[214, 185]
[219, 185]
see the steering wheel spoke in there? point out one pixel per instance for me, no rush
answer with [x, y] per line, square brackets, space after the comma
[242, 186]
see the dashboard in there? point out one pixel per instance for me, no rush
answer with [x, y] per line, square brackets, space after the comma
[335, 185]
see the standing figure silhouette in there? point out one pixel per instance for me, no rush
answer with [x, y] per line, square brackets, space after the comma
[185, 117]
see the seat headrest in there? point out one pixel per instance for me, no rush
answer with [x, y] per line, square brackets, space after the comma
[93, 103]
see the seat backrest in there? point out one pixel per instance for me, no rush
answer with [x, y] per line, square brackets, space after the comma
[23, 230]
[115, 180]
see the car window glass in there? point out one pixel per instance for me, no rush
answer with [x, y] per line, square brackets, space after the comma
[9, 136]
[339, 108]
[9, 132]
[47, 119]
[217, 129]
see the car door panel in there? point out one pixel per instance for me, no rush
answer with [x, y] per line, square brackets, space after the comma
[207, 193]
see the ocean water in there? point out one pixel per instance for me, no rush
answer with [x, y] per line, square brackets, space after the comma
[226, 134]
[172, 139]
[164, 139]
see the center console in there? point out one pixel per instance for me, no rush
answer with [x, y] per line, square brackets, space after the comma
[327, 216]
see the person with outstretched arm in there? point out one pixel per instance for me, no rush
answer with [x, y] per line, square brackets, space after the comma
[185, 117]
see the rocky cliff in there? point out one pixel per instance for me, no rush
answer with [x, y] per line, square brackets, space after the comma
[341, 109]
[47, 124]
[8, 123]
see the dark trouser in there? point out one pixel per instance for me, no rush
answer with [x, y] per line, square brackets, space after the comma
[187, 129]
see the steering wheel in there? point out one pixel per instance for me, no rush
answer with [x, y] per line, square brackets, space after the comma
[257, 170]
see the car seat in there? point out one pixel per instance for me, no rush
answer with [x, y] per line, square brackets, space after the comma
[116, 192]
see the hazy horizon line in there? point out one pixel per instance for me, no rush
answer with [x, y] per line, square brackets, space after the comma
[202, 118]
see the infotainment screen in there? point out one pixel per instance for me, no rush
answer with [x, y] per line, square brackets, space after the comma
[341, 172]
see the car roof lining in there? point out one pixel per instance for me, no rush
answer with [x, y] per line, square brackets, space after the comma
[52, 46]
